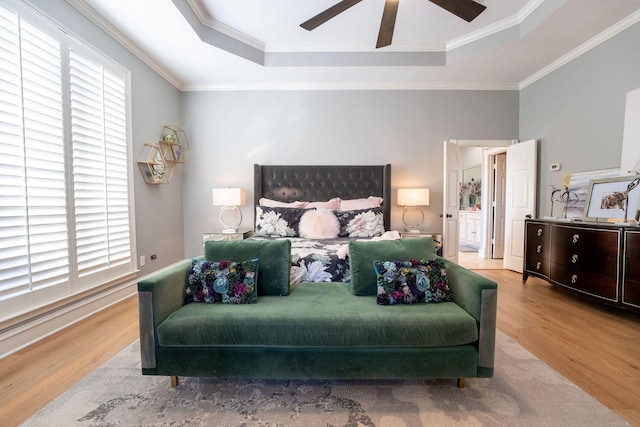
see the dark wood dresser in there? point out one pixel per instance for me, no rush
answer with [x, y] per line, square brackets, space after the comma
[600, 261]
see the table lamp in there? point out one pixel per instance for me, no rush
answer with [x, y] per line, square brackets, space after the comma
[412, 199]
[229, 199]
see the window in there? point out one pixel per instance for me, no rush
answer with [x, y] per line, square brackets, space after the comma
[65, 217]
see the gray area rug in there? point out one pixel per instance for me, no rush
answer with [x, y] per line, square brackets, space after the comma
[523, 392]
[465, 248]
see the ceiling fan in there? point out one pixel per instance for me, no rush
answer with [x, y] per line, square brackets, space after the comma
[465, 9]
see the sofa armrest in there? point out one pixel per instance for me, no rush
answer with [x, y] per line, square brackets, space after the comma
[159, 295]
[479, 297]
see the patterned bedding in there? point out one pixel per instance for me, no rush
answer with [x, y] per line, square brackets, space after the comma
[317, 260]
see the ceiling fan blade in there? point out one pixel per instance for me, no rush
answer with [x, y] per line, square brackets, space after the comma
[329, 13]
[388, 23]
[465, 9]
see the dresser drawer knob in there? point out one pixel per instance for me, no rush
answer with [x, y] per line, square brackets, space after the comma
[539, 232]
[538, 265]
[574, 258]
[574, 279]
[539, 249]
[576, 238]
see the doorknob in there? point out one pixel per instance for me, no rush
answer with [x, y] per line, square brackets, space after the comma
[528, 216]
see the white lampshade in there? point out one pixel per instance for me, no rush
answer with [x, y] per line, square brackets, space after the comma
[228, 197]
[413, 197]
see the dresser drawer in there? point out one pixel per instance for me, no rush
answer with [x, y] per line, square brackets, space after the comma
[537, 233]
[587, 282]
[600, 241]
[538, 265]
[589, 259]
[632, 244]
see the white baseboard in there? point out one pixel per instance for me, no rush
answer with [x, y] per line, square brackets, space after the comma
[16, 338]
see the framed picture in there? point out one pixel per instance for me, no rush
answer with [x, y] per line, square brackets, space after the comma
[610, 198]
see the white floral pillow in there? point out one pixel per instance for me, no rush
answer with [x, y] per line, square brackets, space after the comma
[278, 221]
[361, 222]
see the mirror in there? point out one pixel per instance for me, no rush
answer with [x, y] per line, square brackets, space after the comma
[470, 187]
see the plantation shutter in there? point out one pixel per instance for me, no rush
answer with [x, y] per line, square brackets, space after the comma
[99, 135]
[33, 212]
[65, 217]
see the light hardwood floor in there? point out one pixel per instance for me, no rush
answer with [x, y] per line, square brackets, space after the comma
[596, 347]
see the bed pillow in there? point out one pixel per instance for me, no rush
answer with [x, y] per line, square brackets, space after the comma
[276, 204]
[406, 282]
[353, 204]
[277, 221]
[226, 281]
[319, 224]
[332, 204]
[274, 255]
[361, 222]
[362, 255]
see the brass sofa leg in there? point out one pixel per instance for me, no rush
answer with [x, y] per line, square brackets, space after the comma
[174, 381]
[460, 382]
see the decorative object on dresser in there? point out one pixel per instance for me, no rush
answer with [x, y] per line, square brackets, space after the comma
[229, 199]
[598, 261]
[412, 199]
[609, 199]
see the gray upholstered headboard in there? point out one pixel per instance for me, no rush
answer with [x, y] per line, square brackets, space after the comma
[319, 183]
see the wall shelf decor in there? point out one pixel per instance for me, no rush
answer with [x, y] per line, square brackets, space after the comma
[157, 161]
[152, 165]
[174, 144]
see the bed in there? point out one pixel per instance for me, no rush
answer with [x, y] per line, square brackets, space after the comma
[323, 259]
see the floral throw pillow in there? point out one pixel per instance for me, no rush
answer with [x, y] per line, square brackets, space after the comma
[361, 222]
[228, 282]
[406, 282]
[278, 221]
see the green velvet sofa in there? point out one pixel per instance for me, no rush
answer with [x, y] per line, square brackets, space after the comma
[317, 330]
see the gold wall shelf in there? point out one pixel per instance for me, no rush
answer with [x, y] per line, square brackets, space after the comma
[152, 165]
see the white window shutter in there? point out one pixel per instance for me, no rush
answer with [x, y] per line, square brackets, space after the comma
[33, 169]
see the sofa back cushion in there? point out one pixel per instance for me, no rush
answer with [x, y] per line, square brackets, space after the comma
[274, 256]
[362, 255]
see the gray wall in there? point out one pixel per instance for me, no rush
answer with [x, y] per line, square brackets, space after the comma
[577, 112]
[155, 102]
[230, 131]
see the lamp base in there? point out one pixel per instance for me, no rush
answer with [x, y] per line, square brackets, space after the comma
[414, 227]
[230, 228]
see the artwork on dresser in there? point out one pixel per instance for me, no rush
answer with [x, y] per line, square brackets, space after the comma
[612, 198]
[630, 160]
[579, 184]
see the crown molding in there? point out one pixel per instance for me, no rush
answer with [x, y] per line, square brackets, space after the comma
[205, 19]
[82, 7]
[344, 86]
[605, 35]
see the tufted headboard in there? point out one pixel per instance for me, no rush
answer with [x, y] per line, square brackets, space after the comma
[319, 183]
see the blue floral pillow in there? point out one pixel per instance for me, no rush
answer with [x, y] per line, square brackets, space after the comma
[361, 222]
[277, 221]
[228, 282]
[406, 282]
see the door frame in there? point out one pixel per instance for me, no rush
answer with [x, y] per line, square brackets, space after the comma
[488, 145]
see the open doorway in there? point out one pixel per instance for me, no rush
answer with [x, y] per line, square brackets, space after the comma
[482, 207]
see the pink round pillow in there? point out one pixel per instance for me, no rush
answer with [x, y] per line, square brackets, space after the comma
[319, 224]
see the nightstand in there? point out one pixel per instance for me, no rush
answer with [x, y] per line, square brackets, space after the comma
[437, 238]
[219, 235]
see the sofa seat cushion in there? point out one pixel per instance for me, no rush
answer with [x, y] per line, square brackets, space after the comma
[318, 315]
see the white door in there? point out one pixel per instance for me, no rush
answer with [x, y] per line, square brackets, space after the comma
[499, 204]
[451, 201]
[522, 166]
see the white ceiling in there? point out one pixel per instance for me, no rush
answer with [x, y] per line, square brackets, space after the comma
[258, 44]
